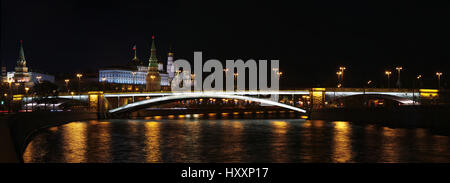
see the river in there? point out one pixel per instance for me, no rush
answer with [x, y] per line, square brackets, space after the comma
[234, 140]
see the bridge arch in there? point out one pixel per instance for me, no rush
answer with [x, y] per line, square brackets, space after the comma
[201, 95]
[401, 100]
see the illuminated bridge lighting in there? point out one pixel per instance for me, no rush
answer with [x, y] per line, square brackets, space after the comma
[203, 95]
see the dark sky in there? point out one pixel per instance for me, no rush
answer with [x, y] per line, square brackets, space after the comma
[311, 39]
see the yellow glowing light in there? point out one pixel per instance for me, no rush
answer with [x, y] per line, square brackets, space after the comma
[53, 129]
[304, 117]
[318, 89]
[343, 146]
[17, 97]
[429, 90]
[280, 127]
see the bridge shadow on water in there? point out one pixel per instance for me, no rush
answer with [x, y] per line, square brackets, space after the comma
[261, 113]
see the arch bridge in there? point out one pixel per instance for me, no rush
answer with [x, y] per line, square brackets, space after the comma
[301, 100]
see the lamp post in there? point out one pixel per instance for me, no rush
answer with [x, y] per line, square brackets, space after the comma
[103, 83]
[72, 93]
[235, 81]
[39, 78]
[388, 74]
[79, 82]
[339, 74]
[417, 82]
[26, 96]
[10, 94]
[399, 68]
[193, 80]
[67, 84]
[279, 74]
[342, 69]
[439, 74]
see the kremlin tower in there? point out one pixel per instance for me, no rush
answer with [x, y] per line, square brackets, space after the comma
[170, 67]
[21, 74]
[153, 79]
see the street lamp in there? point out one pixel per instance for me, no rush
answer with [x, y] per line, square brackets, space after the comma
[79, 82]
[26, 96]
[339, 74]
[418, 86]
[103, 82]
[369, 82]
[399, 68]
[439, 74]
[279, 74]
[67, 84]
[10, 94]
[39, 78]
[342, 69]
[388, 74]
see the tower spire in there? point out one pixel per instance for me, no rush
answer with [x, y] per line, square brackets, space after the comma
[153, 61]
[21, 59]
[135, 55]
[135, 61]
[153, 79]
[21, 70]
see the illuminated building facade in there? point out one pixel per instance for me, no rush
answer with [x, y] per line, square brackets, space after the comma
[35, 77]
[151, 77]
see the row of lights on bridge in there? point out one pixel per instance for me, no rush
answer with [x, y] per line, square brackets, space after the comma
[340, 74]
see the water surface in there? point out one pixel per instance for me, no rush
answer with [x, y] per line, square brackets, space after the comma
[234, 140]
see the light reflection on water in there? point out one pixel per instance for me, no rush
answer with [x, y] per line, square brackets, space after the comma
[234, 140]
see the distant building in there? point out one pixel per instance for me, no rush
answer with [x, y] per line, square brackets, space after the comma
[136, 72]
[21, 75]
[35, 77]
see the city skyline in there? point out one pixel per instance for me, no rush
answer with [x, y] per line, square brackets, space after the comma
[90, 36]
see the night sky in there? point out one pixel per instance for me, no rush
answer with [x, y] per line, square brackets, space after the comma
[311, 39]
